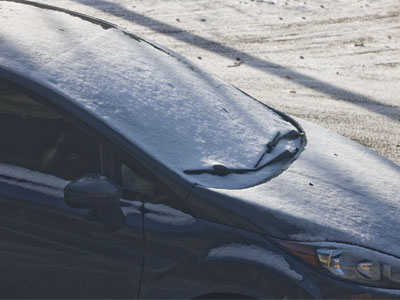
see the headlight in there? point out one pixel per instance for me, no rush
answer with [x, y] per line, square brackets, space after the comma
[348, 262]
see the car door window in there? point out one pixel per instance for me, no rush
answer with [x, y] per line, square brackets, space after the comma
[136, 186]
[139, 187]
[37, 138]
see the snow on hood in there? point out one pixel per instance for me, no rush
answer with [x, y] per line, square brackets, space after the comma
[254, 254]
[183, 117]
[337, 190]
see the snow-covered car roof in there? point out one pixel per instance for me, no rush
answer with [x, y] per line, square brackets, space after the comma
[183, 117]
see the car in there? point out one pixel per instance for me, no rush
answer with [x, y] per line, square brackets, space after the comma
[128, 172]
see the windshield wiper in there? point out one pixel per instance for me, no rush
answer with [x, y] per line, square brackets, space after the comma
[292, 134]
[221, 170]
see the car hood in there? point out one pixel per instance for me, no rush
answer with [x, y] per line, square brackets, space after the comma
[337, 190]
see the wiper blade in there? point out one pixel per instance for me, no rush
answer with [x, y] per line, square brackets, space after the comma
[270, 145]
[292, 134]
[221, 170]
[283, 155]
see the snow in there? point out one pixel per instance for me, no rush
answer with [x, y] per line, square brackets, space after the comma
[37, 181]
[54, 186]
[347, 79]
[132, 209]
[352, 196]
[26, 50]
[183, 117]
[255, 254]
[159, 213]
[336, 191]
[164, 214]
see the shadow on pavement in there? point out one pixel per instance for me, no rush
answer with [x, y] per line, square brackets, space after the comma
[390, 111]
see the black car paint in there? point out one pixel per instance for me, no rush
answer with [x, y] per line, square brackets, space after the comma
[49, 250]
[178, 263]
[155, 260]
[210, 205]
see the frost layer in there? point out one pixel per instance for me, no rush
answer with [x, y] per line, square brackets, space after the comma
[183, 117]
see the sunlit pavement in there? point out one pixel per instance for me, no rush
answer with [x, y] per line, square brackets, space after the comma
[335, 63]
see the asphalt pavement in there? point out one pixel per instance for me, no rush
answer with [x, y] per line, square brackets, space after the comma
[332, 62]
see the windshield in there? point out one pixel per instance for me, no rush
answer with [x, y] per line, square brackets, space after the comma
[177, 114]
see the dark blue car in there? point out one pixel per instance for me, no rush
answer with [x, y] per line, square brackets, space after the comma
[128, 172]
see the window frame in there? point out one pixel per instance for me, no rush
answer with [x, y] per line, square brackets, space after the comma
[67, 116]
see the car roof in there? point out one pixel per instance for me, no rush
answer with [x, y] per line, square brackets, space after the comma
[180, 115]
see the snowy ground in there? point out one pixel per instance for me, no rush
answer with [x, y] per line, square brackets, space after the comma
[332, 62]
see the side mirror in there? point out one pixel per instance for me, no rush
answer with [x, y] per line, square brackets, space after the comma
[93, 191]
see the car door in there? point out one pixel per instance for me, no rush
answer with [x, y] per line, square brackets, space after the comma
[47, 249]
[191, 258]
[167, 227]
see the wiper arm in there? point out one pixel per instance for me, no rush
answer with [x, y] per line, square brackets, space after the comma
[292, 134]
[221, 170]
[270, 145]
